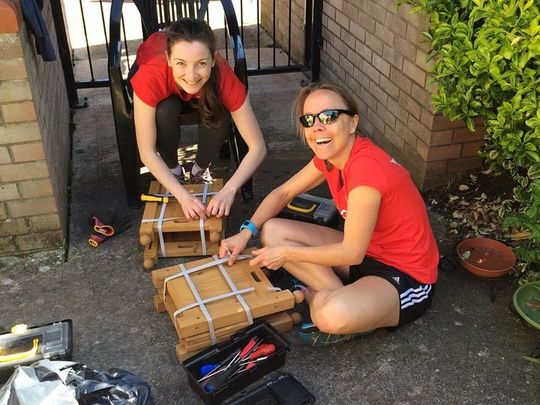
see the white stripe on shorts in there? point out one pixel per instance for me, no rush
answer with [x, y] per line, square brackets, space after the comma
[414, 295]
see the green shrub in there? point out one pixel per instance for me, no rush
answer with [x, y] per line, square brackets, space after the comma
[487, 64]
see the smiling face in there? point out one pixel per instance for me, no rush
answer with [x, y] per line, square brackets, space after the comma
[191, 64]
[333, 141]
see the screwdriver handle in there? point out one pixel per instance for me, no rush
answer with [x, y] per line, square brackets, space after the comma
[154, 198]
[263, 350]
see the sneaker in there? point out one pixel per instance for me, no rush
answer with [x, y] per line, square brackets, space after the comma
[312, 336]
[201, 177]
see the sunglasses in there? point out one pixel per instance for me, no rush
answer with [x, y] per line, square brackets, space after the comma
[325, 117]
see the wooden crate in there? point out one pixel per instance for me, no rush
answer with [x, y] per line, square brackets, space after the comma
[227, 315]
[180, 236]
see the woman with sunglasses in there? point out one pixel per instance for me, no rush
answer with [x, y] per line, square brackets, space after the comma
[380, 271]
[178, 71]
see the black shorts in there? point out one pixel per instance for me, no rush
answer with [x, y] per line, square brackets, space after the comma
[414, 297]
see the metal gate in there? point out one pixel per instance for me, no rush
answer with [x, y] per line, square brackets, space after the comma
[276, 38]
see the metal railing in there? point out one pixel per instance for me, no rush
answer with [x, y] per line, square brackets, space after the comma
[82, 34]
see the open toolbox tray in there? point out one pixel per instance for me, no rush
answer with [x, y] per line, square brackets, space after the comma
[283, 390]
[218, 353]
[25, 345]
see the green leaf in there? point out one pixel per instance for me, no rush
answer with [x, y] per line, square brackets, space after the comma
[534, 171]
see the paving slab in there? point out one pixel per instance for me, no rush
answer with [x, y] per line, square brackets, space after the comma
[466, 349]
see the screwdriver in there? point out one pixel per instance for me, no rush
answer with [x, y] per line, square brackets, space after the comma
[155, 198]
[219, 379]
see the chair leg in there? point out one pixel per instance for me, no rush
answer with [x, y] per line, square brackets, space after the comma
[129, 161]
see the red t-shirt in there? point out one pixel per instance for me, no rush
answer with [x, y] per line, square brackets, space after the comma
[402, 237]
[154, 80]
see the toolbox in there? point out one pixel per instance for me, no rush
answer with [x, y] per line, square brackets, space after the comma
[283, 390]
[166, 232]
[221, 353]
[310, 208]
[25, 345]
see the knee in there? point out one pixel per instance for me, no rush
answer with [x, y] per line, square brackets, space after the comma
[271, 231]
[332, 316]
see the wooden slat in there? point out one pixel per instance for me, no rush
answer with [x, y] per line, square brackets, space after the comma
[282, 322]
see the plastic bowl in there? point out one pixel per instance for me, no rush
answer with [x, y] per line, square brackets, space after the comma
[527, 303]
[485, 257]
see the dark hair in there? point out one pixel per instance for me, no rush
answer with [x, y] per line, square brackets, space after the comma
[298, 110]
[191, 30]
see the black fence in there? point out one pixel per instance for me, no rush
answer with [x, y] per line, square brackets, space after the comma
[82, 32]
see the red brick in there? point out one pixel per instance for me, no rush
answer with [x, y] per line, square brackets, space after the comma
[400, 80]
[394, 138]
[422, 149]
[31, 207]
[367, 22]
[436, 168]
[409, 137]
[10, 16]
[376, 11]
[464, 135]
[442, 122]
[381, 65]
[23, 171]
[410, 104]
[393, 57]
[374, 43]
[414, 72]
[357, 31]
[464, 164]
[426, 116]
[389, 88]
[388, 117]
[382, 32]
[19, 112]
[444, 152]
[441, 138]
[471, 149]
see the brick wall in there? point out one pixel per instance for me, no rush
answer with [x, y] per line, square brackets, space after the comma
[34, 139]
[376, 50]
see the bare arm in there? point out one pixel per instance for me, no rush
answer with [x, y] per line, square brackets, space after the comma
[145, 128]
[306, 179]
[363, 209]
[249, 129]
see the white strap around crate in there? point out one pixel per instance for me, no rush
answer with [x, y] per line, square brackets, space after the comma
[162, 218]
[199, 302]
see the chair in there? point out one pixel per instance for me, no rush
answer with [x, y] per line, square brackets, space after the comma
[156, 14]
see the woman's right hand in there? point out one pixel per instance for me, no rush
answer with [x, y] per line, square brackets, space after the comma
[233, 246]
[192, 207]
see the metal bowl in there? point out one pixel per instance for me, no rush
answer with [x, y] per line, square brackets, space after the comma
[485, 257]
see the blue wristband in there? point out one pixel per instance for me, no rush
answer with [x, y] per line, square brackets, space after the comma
[250, 226]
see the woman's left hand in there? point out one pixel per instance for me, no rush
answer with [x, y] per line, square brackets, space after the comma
[272, 257]
[221, 203]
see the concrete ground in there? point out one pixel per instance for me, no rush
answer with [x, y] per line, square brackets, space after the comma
[465, 350]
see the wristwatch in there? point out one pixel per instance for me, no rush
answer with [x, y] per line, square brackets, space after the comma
[250, 226]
